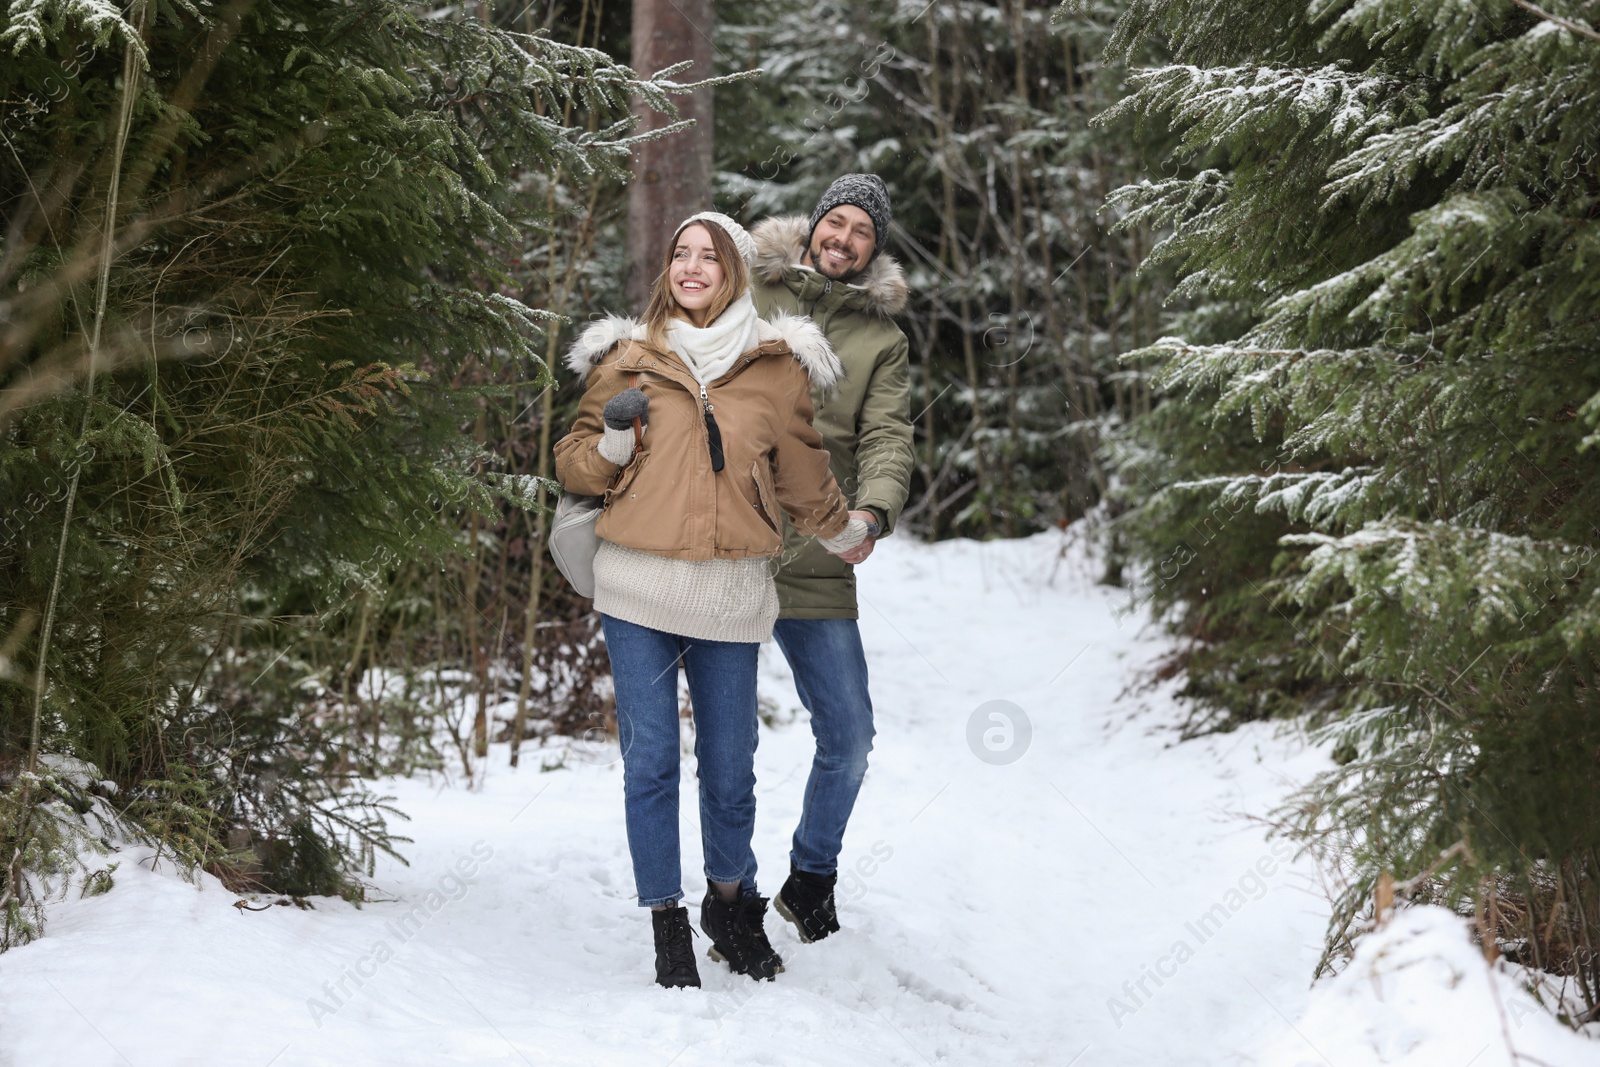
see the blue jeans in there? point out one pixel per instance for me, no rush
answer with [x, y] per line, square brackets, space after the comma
[722, 688]
[830, 673]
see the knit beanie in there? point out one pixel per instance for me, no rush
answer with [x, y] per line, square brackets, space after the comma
[741, 236]
[865, 191]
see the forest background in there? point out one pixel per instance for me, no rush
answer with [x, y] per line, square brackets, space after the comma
[1290, 306]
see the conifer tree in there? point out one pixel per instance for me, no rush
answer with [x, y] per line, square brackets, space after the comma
[1371, 491]
[248, 248]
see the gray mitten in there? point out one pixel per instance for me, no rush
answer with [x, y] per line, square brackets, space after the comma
[622, 409]
[617, 443]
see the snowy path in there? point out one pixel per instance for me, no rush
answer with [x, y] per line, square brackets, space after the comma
[993, 913]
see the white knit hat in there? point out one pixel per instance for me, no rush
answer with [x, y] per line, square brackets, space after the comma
[741, 237]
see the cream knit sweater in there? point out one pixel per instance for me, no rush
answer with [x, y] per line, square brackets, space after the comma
[711, 599]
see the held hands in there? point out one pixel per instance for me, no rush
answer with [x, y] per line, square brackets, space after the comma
[853, 545]
[617, 443]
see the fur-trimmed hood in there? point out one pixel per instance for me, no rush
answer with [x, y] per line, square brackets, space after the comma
[598, 338]
[808, 344]
[780, 242]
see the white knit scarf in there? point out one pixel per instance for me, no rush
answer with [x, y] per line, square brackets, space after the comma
[711, 350]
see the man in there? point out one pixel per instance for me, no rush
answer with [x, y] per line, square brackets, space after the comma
[832, 267]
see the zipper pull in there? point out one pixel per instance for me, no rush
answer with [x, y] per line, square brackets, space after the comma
[713, 433]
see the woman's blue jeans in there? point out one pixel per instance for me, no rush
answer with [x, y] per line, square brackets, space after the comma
[722, 689]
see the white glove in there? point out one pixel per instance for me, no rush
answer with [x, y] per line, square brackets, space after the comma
[616, 445]
[854, 532]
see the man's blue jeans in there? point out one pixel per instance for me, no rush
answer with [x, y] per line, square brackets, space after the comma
[830, 673]
[722, 688]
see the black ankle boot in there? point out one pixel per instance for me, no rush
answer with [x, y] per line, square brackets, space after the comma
[806, 900]
[737, 935]
[674, 953]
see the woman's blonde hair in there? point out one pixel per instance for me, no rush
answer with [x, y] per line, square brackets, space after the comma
[664, 306]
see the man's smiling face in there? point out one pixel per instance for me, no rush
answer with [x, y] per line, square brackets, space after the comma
[843, 242]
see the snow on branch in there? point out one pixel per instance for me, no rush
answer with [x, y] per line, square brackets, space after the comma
[33, 23]
[1225, 103]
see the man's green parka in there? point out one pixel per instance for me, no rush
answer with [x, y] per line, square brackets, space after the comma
[865, 421]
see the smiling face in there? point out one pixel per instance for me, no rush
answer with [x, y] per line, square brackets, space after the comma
[843, 242]
[701, 276]
[695, 273]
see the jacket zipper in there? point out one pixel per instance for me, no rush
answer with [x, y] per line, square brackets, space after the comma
[827, 287]
[713, 432]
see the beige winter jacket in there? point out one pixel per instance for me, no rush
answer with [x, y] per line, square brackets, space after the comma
[667, 501]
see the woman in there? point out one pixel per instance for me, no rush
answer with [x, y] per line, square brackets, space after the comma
[696, 425]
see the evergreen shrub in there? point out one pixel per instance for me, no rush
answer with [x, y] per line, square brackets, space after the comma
[251, 249]
[1370, 494]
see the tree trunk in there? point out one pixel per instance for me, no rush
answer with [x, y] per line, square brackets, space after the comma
[671, 177]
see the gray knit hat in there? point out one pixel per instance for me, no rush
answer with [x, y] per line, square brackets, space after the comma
[865, 191]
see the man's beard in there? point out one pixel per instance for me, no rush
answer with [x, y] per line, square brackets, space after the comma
[817, 260]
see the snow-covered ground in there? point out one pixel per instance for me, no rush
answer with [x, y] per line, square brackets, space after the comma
[1059, 885]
